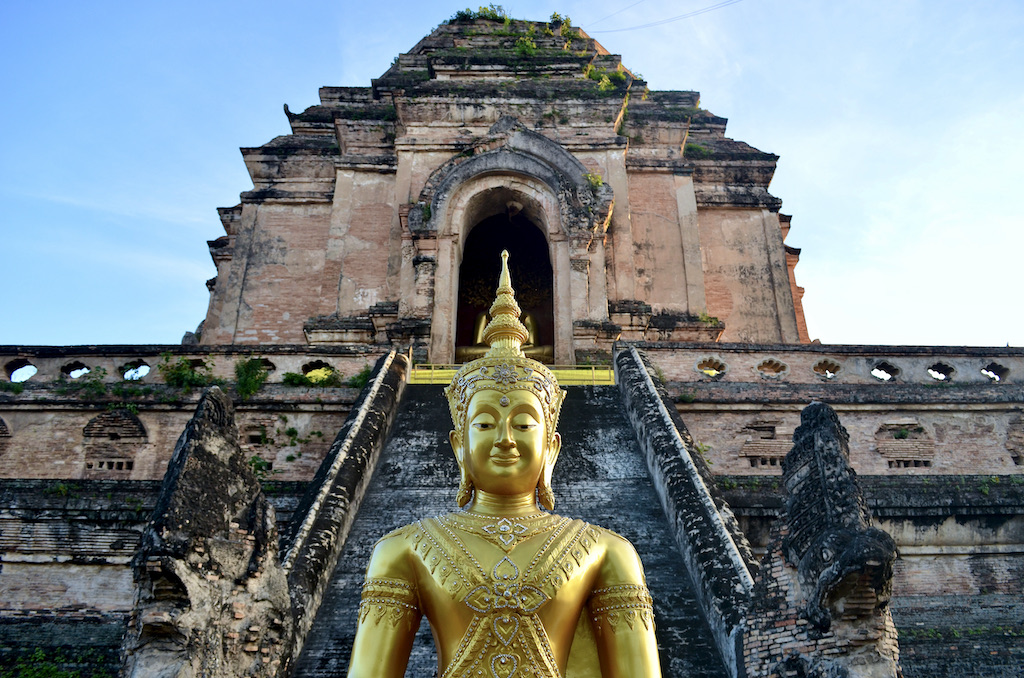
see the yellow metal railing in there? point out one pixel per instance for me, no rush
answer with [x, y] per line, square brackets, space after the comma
[567, 375]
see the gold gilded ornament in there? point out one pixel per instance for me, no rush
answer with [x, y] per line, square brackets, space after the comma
[509, 590]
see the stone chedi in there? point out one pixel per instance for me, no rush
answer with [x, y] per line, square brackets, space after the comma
[507, 589]
[628, 212]
[372, 233]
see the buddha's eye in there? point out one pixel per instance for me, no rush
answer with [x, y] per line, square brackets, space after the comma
[524, 423]
[483, 425]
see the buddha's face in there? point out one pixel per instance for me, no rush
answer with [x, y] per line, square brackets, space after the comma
[505, 450]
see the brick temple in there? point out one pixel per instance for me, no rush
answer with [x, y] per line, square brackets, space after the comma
[881, 534]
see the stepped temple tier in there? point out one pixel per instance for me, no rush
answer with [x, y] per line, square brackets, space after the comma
[627, 211]
[799, 509]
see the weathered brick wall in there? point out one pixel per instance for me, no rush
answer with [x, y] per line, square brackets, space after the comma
[805, 364]
[777, 628]
[956, 585]
[363, 248]
[657, 242]
[961, 636]
[52, 362]
[64, 428]
[65, 581]
[912, 424]
[911, 440]
[49, 441]
[273, 282]
[745, 275]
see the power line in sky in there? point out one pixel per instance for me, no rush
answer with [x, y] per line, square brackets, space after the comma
[594, 23]
[694, 13]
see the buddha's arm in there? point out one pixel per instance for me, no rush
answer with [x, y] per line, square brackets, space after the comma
[389, 613]
[623, 615]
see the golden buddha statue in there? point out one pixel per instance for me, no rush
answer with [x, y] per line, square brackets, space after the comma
[510, 591]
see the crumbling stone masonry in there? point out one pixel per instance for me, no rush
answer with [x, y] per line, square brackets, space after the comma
[820, 607]
[211, 595]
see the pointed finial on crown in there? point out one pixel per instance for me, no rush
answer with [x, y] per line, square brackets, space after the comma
[505, 367]
[505, 334]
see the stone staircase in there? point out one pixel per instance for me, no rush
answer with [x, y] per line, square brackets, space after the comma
[601, 477]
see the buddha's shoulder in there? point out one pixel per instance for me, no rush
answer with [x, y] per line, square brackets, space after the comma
[409, 536]
[620, 561]
[602, 534]
[612, 541]
[617, 550]
[399, 533]
[391, 558]
[399, 539]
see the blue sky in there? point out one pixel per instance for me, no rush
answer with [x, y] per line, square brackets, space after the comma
[899, 125]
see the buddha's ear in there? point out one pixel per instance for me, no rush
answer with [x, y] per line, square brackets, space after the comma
[553, 450]
[465, 494]
[456, 442]
[544, 494]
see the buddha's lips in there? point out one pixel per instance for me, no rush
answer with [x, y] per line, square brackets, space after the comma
[505, 459]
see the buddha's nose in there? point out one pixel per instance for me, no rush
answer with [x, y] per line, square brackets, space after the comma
[505, 441]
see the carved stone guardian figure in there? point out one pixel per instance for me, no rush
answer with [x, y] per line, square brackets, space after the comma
[509, 589]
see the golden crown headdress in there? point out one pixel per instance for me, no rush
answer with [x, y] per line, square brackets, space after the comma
[505, 367]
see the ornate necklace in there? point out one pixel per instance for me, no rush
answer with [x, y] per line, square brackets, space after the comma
[504, 532]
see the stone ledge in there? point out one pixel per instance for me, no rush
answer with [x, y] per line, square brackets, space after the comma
[840, 349]
[889, 497]
[135, 350]
[127, 501]
[774, 393]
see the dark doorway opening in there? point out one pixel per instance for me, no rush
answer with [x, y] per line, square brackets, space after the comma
[530, 267]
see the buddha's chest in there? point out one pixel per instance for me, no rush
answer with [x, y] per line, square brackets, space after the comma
[505, 566]
[497, 603]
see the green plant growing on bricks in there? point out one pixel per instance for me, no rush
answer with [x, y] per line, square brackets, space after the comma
[262, 469]
[696, 151]
[250, 375]
[707, 318]
[525, 47]
[323, 377]
[89, 386]
[361, 378]
[186, 374]
[492, 12]
[11, 387]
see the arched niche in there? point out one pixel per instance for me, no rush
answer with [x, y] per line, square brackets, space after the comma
[525, 205]
[519, 170]
[111, 441]
[532, 278]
